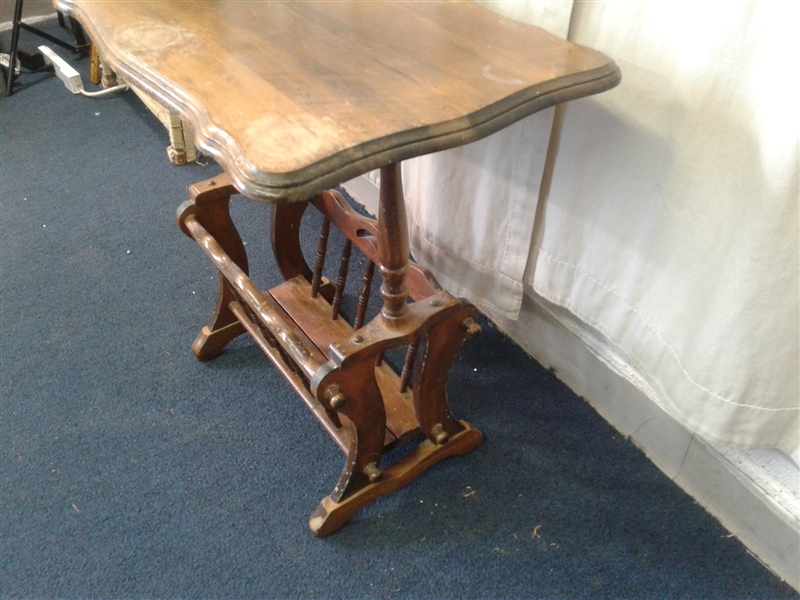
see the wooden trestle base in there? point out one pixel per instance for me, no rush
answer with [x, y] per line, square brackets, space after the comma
[337, 368]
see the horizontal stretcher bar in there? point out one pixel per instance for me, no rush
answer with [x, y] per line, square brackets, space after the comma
[250, 294]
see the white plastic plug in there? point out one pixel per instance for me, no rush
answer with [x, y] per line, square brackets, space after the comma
[70, 77]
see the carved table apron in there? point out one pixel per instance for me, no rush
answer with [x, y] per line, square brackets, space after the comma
[292, 98]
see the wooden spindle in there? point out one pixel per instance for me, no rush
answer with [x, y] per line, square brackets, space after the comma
[363, 296]
[322, 248]
[344, 265]
[408, 366]
[393, 248]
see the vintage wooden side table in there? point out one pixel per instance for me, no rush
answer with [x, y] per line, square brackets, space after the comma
[292, 98]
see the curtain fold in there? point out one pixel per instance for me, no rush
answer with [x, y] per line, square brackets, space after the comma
[471, 212]
[672, 223]
[471, 209]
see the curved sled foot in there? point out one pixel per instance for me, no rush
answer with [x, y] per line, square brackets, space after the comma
[329, 516]
[209, 344]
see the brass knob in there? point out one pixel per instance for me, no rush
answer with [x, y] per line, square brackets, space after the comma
[439, 435]
[335, 396]
[373, 472]
[471, 327]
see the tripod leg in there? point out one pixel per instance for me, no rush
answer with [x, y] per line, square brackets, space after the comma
[12, 55]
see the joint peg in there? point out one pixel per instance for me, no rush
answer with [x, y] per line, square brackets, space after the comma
[373, 472]
[336, 398]
[439, 435]
[471, 327]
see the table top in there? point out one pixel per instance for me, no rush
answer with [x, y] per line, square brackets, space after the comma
[294, 97]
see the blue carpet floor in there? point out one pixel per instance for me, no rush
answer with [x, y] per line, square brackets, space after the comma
[131, 470]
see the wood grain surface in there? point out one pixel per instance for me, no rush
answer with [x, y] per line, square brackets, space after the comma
[294, 97]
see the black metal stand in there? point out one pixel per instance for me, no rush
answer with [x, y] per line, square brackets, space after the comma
[17, 25]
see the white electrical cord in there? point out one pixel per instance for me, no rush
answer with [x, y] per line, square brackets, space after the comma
[116, 88]
[71, 78]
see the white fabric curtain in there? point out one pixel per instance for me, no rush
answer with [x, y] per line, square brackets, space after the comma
[671, 228]
[471, 209]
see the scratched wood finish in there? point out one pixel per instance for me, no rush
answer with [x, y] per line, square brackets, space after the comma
[295, 97]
